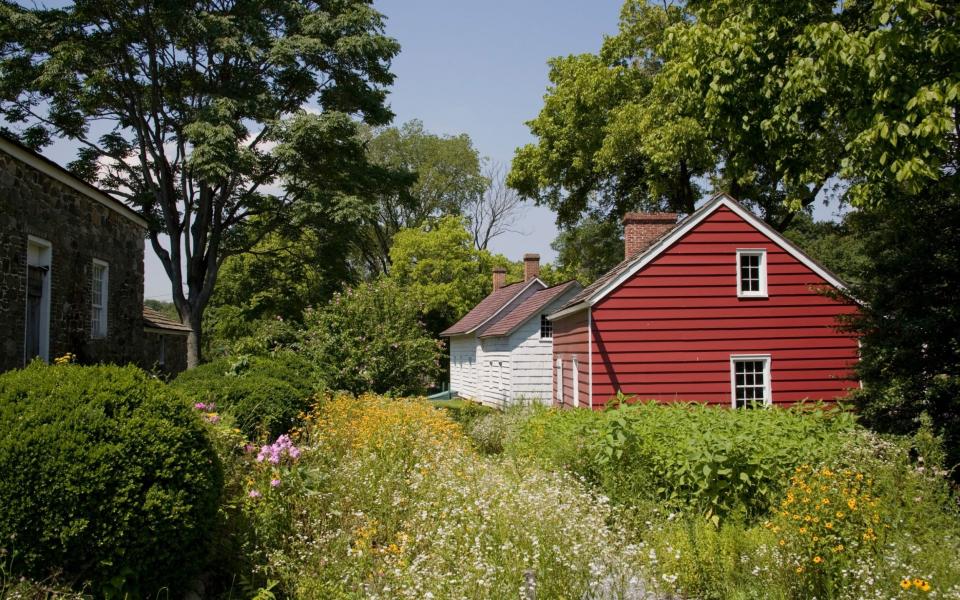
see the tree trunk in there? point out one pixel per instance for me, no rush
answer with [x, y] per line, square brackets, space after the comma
[193, 340]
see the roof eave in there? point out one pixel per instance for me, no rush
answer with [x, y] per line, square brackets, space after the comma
[566, 312]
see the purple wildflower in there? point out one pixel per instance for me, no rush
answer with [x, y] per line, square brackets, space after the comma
[254, 494]
[274, 452]
[274, 483]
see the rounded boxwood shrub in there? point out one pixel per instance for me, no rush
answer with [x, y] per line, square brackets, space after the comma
[106, 479]
[264, 394]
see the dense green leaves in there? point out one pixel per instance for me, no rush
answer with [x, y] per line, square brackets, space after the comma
[106, 478]
[197, 114]
[371, 338]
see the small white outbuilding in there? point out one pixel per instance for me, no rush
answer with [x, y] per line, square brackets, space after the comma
[501, 351]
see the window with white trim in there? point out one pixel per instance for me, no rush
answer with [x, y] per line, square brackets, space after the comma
[752, 273]
[99, 287]
[750, 380]
[546, 328]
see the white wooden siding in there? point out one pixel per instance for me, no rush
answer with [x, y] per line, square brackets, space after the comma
[463, 365]
[532, 358]
[507, 370]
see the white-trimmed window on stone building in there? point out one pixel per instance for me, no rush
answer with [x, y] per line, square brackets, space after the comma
[99, 286]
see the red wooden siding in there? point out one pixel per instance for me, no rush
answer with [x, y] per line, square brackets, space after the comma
[570, 340]
[668, 332]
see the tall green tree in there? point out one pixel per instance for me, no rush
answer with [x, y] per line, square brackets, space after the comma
[435, 175]
[439, 263]
[585, 160]
[197, 114]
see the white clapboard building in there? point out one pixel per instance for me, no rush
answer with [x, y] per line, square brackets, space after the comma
[501, 351]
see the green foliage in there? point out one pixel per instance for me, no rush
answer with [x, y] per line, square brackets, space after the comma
[386, 498]
[910, 322]
[837, 246]
[720, 463]
[589, 249]
[464, 412]
[264, 394]
[200, 109]
[582, 161]
[165, 308]
[280, 277]
[106, 478]
[371, 338]
[439, 265]
[769, 101]
[435, 175]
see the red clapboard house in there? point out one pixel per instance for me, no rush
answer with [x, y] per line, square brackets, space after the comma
[717, 308]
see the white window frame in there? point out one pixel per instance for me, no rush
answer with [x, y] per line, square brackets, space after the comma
[104, 299]
[549, 326]
[559, 371]
[44, 259]
[575, 365]
[767, 383]
[762, 292]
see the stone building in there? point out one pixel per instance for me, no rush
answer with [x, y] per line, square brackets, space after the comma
[71, 266]
[164, 343]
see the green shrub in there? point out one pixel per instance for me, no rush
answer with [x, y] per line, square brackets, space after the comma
[371, 339]
[690, 456]
[105, 477]
[465, 412]
[264, 394]
[495, 430]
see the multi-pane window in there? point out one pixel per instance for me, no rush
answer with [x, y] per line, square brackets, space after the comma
[99, 282]
[751, 272]
[546, 328]
[751, 381]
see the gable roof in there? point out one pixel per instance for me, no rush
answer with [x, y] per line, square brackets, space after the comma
[528, 308]
[54, 171]
[154, 320]
[612, 279]
[489, 307]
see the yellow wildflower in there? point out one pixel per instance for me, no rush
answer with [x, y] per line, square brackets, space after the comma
[905, 584]
[817, 560]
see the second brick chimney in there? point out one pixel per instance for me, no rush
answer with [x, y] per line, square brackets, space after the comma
[641, 229]
[531, 266]
[499, 278]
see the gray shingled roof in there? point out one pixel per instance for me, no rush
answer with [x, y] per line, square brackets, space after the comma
[157, 320]
[486, 309]
[529, 307]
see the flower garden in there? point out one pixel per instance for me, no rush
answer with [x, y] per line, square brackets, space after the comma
[376, 497]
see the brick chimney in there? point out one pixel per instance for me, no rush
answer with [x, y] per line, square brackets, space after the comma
[531, 266]
[499, 278]
[641, 229]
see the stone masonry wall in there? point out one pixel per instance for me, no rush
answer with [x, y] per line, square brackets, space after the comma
[79, 230]
[174, 353]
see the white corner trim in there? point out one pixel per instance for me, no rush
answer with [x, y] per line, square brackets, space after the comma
[590, 357]
[695, 219]
[63, 176]
[506, 304]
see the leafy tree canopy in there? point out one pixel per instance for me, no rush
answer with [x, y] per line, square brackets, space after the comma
[770, 101]
[439, 264]
[436, 175]
[196, 113]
